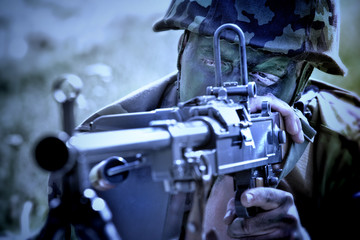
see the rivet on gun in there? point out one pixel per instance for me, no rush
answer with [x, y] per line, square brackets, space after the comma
[202, 168]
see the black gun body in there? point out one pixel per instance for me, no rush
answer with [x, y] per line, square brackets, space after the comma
[180, 145]
[215, 126]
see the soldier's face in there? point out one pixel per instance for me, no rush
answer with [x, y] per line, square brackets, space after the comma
[275, 74]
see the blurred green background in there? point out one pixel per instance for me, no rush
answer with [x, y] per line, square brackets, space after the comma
[110, 45]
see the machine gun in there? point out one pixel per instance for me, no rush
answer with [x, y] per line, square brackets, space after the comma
[179, 147]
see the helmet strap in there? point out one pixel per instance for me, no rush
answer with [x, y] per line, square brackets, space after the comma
[304, 75]
[181, 47]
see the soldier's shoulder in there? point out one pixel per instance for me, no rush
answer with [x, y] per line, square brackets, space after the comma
[336, 109]
[146, 98]
[342, 93]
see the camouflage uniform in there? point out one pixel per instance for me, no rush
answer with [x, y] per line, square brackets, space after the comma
[326, 180]
[327, 176]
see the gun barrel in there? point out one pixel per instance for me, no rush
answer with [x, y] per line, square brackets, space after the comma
[121, 140]
[53, 154]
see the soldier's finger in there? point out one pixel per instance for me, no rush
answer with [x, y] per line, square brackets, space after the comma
[247, 229]
[230, 214]
[266, 198]
[262, 228]
[297, 137]
[292, 122]
[279, 215]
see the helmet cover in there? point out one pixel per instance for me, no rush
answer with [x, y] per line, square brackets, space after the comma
[303, 29]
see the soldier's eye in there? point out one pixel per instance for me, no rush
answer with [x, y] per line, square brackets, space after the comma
[208, 62]
[226, 67]
[264, 79]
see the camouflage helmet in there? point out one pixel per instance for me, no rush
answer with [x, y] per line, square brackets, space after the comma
[305, 29]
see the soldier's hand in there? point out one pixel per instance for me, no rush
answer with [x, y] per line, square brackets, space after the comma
[292, 122]
[278, 220]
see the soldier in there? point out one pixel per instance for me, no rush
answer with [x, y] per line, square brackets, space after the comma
[285, 41]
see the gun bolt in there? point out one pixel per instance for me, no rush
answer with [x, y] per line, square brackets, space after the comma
[108, 173]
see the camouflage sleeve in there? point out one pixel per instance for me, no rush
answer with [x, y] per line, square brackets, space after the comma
[336, 166]
[157, 94]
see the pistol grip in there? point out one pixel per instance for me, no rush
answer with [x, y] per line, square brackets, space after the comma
[242, 182]
[241, 211]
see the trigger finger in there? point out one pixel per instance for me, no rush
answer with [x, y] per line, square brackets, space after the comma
[299, 137]
[294, 128]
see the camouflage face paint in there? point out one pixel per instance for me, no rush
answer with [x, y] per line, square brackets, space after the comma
[272, 73]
